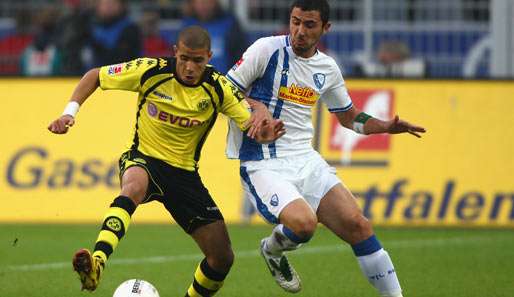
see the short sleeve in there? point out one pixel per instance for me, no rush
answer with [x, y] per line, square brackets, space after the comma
[234, 104]
[336, 97]
[251, 66]
[125, 76]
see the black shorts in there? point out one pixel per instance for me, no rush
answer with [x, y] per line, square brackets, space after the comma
[181, 191]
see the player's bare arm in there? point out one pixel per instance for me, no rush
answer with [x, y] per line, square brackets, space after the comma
[363, 123]
[86, 86]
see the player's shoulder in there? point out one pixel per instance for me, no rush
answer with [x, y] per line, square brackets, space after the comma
[269, 44]
[220, 82]
[326, 60]
[329, 64]
[156, 66]
[211, 75]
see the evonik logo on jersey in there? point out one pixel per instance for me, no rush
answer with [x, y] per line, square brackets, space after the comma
[355, 149]
[163, 116]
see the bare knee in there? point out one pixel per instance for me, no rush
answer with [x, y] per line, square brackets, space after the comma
[135, 190]
[303, 226]
[221, 261]
[359, 229]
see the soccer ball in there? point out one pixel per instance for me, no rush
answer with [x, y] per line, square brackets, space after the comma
[136, 288]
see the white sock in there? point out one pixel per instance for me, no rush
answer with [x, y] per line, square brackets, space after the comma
[278, 242]
[379, 271]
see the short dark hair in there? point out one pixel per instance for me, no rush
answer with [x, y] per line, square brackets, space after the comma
[195, 37]
[319, 5]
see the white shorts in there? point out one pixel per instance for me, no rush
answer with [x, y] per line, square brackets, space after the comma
[271, 184]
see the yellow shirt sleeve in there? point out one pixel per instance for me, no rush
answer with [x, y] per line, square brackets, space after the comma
[125, 76]
[234, 104]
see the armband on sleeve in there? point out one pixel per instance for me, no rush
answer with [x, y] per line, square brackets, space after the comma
[359, 121]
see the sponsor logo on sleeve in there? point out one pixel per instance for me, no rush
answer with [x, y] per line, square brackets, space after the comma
[115, 69]
[238, 63]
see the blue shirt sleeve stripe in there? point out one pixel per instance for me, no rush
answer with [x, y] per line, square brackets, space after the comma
[234, 81]
[346, 108]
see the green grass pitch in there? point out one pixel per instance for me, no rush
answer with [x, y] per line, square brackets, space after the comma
[35, 261]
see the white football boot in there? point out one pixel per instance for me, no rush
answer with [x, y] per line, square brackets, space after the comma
[284, 274]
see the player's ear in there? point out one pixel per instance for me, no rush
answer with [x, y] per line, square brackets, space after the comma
[326, 27]
[209, 55]
[175, 50]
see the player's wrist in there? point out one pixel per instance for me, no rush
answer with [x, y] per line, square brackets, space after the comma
[71, 109]
[359, 122]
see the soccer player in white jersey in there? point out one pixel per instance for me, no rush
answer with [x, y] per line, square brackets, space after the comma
[288, 181]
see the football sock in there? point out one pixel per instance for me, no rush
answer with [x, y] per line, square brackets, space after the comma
[283, 239]
[115, 224]
[377, 267]
[206, 281]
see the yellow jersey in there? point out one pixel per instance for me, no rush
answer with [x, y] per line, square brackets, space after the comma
[173, 120]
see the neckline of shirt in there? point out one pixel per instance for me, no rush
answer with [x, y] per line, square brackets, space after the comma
[291, 52]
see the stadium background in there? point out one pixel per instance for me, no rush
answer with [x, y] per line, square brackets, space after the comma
[460, 174]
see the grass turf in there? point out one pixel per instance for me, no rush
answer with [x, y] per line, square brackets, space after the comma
[35, 261]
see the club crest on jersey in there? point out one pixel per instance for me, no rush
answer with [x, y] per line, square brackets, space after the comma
[319, 80]
[203, 105]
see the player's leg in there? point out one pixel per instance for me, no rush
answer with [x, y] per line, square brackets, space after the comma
[279, 202]
[193, 208]
[214, 242]
[134, 185]
[339, 211]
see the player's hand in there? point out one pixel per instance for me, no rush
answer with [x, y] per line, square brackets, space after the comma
[270, 131]
[62, 124]
[396, 126]
[260, 115]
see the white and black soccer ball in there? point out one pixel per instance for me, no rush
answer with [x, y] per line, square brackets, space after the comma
[136, 288]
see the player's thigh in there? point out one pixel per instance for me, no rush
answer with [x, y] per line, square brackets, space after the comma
[137, 177]
[339, 211]
[188, 200]
[269, 192]
[214, 241]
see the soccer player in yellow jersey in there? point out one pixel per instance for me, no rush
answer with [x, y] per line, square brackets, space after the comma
[179, 100]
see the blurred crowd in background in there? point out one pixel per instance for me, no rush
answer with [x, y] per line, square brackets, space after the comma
[394, 38]
[74, 36]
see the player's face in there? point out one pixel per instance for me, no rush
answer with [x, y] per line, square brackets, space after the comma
[191, 63]
[306, 28]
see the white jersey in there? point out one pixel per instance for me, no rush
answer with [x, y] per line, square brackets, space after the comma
[289, 86]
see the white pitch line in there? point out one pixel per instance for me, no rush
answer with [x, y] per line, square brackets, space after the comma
[405, 243]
